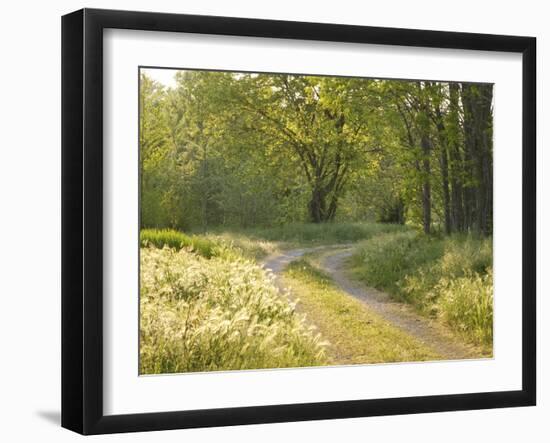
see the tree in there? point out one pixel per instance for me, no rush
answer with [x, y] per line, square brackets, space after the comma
[315, 120]
[228, 149]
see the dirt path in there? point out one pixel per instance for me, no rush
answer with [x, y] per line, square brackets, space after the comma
[278, 261]
[400, 315]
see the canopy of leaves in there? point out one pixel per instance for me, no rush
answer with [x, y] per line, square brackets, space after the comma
[225, 149]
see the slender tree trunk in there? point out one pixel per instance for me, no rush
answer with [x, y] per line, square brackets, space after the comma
[444, 166]
[486, 148]
[426, 186]
[470, 190]
[444, 163]
[455, 157]
[331, 212]
[326, 190]
[425, 144]
[445, 184]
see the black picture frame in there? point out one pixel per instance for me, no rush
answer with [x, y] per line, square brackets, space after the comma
[82, 218]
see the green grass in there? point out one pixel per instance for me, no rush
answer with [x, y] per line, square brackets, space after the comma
[200, 277]
[258, 242]
[466, 303]
[304, 234]
[355, 333]
[208, 246]
[199, 314]
[449, 277]
[177, 240]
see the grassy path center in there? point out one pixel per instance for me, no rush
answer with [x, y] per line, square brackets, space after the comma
[361, 325]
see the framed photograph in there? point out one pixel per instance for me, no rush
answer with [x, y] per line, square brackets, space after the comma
[269, 221]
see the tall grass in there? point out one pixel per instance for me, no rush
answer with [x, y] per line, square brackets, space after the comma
[177, 240]
[206, 245]
[467, 305]
[446, 277]
[201, 314]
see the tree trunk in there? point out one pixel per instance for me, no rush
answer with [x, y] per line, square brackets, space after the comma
[317, 204]
[444, 163]
[332, 208]
[486, 160]
[455, 157]
[470, 200]
[426, 186]
[444, 166]
[477, 102]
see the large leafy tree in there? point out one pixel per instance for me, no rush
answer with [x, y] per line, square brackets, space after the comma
[319, 123]
[236, 149]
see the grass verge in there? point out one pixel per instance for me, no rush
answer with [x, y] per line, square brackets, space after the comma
[450, 278]
[208, 246]
[199, 314]
[312, 234]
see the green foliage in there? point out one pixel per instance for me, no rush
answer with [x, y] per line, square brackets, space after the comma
[238, 150]
[159, 196]
[217, 314]
[446, 277]
[231, 163]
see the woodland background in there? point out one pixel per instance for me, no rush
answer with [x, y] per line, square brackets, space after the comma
[237, 150]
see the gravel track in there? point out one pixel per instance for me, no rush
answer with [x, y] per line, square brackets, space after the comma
[401, 315]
